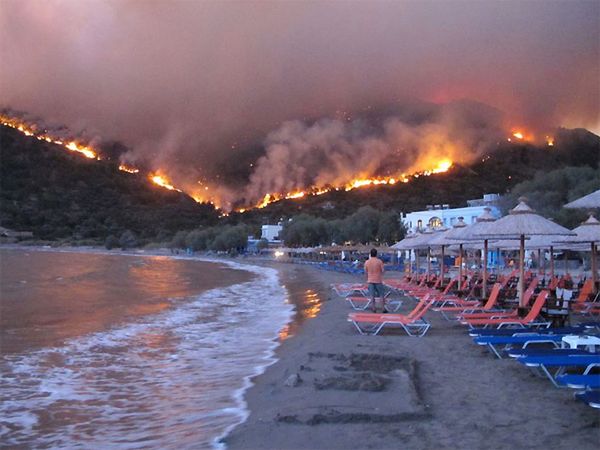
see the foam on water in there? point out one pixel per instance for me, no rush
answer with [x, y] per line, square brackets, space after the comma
[171, 380]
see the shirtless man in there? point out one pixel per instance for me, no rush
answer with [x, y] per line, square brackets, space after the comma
[374, 270]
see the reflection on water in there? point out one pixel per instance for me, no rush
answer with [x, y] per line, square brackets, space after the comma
[307, 308]
[48, 296]
[166, 375]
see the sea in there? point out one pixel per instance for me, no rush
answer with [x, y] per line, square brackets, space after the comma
[128, 352]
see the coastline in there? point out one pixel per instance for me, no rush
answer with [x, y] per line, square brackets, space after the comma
[446, 392]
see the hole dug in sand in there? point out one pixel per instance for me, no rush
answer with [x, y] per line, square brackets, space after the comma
[357, 388]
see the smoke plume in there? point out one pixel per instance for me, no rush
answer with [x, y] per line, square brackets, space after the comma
[244, 98]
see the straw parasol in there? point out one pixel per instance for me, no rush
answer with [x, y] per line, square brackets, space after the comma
[445, 239]
[588, 232]
[522, 222]
[590, 201]
[407, 244]
[468, 233]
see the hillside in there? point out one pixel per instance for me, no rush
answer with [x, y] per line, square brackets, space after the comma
[56, 194]
[497, 172]
[60, 195]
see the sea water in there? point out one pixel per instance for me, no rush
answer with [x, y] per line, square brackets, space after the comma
[172, 379]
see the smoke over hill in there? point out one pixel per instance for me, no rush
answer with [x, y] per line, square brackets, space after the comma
[233, 95]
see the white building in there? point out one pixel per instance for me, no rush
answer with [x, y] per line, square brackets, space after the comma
[443, 215]
[271, 232]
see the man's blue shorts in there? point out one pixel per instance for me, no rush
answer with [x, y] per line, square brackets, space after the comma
[376, 290]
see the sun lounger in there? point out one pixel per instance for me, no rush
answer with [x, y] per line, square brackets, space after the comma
[561, 362]
[361, 303]
[414, 324]
[592, 398]
[585, 381]
[491, 302]
[474, 332]
[531, 319]
[522, 340]
[497, 313]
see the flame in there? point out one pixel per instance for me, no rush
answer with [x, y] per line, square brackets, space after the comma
[549, 141]
[442, 166]
[126, 168]
[518, 135]
[163, 181]
[31, 131]
[85, 151]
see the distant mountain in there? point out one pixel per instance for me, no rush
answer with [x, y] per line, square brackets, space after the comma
[496, 172]
[59, 195]
[56, 194]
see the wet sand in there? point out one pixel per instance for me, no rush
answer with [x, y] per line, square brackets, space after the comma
[334, 389]
[55, 296]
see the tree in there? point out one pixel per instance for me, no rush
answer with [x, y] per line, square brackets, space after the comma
[232, 238]
[111, 242]
[128, 240]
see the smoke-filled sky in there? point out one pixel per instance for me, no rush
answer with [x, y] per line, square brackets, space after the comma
[190, 86]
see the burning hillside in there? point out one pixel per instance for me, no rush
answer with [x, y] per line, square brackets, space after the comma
[302, 160]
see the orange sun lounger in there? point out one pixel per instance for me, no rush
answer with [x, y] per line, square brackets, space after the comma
[413, 323]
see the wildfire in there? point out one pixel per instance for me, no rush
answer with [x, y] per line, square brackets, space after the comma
[85, 151]
[162, 181]
[31, 131]
[126, 168]
[549, 141]
[442, 166]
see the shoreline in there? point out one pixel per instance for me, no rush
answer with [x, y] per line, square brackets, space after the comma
[445, 391]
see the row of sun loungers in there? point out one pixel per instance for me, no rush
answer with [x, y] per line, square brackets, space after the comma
[506, 332]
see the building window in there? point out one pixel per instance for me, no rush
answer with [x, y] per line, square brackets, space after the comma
[435, 222]
[419, 224]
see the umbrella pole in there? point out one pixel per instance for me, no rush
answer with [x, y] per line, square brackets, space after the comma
[594, 270]
[566, 263]
[539, 260]
[521, 269]
[418, 262]
[551, 262]
[460, 272]
[442, 268]
[428, 263]
[409, 262]
[485, 263]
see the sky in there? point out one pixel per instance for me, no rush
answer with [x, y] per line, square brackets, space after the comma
[264, 96]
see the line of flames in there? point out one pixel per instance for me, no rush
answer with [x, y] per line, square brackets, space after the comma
[29, 130]
[442, 166]
[160, 179]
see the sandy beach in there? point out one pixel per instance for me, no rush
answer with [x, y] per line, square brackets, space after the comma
[333, 388]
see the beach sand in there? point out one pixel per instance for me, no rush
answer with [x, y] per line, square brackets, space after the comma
[333, 388]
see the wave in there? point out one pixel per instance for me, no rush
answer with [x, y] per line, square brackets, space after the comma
[170, 380]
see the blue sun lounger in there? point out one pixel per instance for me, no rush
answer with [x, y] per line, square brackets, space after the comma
[561, 362]
[522, 340]
[592, 398]
[585, 381]
[523, 352]
[514, 331]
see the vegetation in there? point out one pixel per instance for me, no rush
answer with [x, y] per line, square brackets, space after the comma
[548, 192]
[57, 195]
[366, 225]
[62, 197]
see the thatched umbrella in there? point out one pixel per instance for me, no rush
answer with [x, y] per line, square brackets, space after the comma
[540, 242]
[468, 233]
[445, 239]
[522, 222]
[588, 232]
[407, 244]
[590, 201]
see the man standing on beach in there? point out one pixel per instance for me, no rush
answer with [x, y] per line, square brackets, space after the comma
[374, 270]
